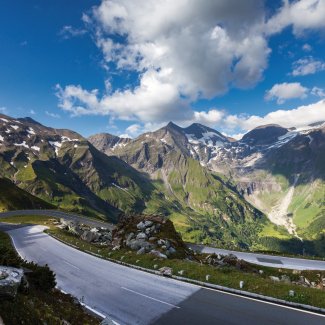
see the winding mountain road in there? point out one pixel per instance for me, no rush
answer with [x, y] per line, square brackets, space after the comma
[256, 258]
[130, 296]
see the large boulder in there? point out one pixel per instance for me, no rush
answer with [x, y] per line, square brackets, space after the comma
[76, 230]
[135, 244]
[148, 223]
[158, 254]
[90, 236]
[141, 225]
[10, 280]
[141, 235]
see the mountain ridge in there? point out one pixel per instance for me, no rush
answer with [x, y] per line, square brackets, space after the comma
[267, 164]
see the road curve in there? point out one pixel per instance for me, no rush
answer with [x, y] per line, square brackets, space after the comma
[58, 214]
[266, 260]
[131, 296]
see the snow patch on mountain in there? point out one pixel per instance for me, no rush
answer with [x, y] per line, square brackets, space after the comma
[23, 144]
[57, 145]
[31, 131]
[36, 148]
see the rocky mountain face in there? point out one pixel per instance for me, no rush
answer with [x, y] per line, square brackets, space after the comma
[107, 143]
[63, 168]
[280, 171]
[209, 209]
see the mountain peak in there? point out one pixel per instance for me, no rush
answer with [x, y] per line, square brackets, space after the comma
[201, 131]
[173, 127]
[28, 119]
[264, 134]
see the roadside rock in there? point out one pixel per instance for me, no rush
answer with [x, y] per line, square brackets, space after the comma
[135, 244]
[275, 278]
[158, 254]
[166, 271]
[285, 278]
[141, 235]
[90, 236]
[10, 280]
[141, 225]
[142, 250]
[129, 237]
[148, 223]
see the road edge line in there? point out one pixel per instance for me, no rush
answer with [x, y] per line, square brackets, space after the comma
[81, 303]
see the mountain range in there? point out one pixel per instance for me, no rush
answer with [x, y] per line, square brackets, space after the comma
[265, 191]
[280, 171]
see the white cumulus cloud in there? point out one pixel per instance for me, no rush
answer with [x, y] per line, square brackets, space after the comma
[300, 116]
[302, 15]
[182, 50]
[305, 66]
[285, 91]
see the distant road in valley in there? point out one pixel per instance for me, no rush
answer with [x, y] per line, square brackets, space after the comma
[266, 260]
[256, 258]
[130, 296]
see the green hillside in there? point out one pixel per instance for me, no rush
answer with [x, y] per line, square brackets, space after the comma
[14, 198]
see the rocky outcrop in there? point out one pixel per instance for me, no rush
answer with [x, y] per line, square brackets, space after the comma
[101, 236]
[143, 234]
[150, 234]
[219, 260]
[10, 280]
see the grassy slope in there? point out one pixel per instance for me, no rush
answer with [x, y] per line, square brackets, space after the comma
[211, 212]
[14, 198]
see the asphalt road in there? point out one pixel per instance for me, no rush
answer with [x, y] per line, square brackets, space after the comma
[131, 296]
[58, 214]
[266, 260]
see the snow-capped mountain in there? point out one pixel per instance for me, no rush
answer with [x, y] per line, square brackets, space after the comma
[63, 168]
[265, 165]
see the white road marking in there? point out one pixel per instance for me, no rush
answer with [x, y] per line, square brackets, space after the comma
[15, 246]
[143, 295]
[265, 302]
[43, 249]
[90, 308]
[71, 265]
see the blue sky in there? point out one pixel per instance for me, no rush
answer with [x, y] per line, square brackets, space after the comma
[125, 67]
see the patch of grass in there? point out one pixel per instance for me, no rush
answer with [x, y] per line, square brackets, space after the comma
[40, 304]
[26, 173]
[28, 219]
[273, 230]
